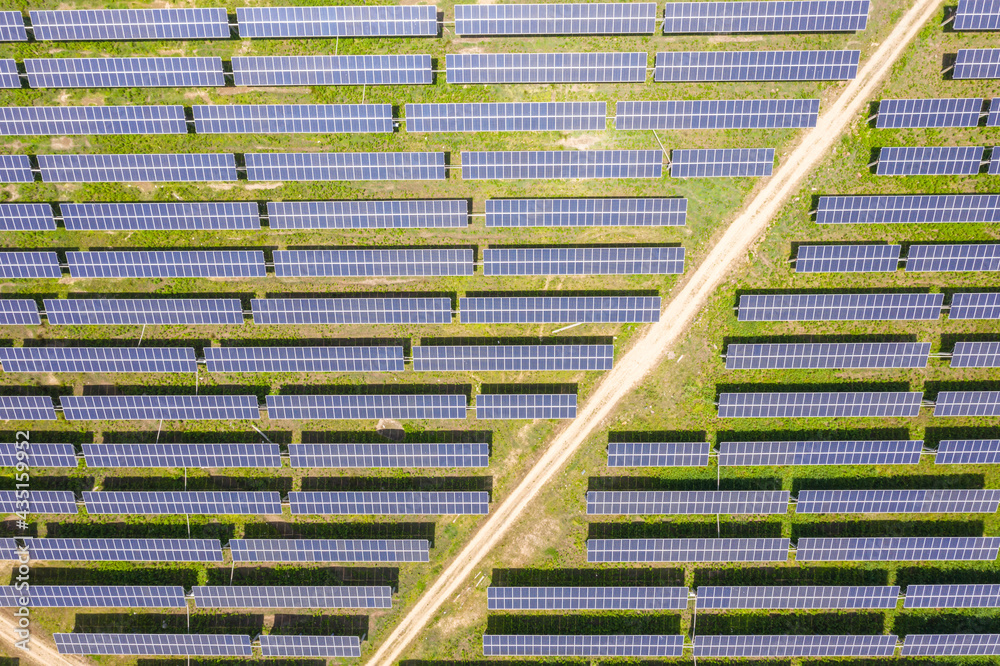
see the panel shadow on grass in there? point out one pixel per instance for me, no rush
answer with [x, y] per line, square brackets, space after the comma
[822, 575]
[817, 435]
[110, 574]
[627, 483]
[644, 577]
[962, 574]
[887, 528]
[295, 575]
[789, 623]
[168, 623]
[200, 528]
[657, 436]
[324, 530]
[709, 529]
[603, 624]
[900, 482]
[937, 622]
[320, 625]
[272, 482]
[195, 661]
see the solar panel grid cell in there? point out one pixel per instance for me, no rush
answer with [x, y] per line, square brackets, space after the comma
[977, 64]
[952, 596]
[687, 550]
[556, 19]
[820, 405]
[900, 113]
[929, 161]
[369, 263]
[402, 503]
[563, 310]
[9, 76]
[351, 310]
[98, 359]
[586, 212]
[498, 645]
[658, 454]
[515, 117]
[847, 258]
[368, 214]
[686, 502]
[131, 24]
[724, 163]
[156, 407]
[511, 358]
[326, 70]
[420, 406]
[39, 455]
[716, 114]
[73, 120]
[217, 215]
[19, 312]
[526, 406]
[774, 16]
[265, 596]
[834, 355]
[344, 166]
[561, 164]
[153, 312]
[798, 597]
[586, 598]
[329, 550]
[968, 451]
[584, 261]
[940, 258]
[292, 118]
[993, 120]
[984, 305]
[123, 72]
[16, 169]
[303, 359]
[847, 452]
[39, 501]
[26, 217]
[182, 455]
[897, 501]
[756, 65]
[977, 15]
[839, 307]
[795, 646]
[909, 209]
[488, 68]
[27, 408]
[967, 403]
[12, 27]
[941, 645]
[125, 550]
[34, 265]
[162, 168]
[897, 549]
[353, 21]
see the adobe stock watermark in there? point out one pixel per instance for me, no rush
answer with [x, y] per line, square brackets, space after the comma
[23, 506]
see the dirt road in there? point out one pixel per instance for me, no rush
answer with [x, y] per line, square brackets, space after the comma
[726, 255]
[41, 653]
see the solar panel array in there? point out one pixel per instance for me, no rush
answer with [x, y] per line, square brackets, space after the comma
[428, 214]
[160, 264]
[795, 646]
[39, 455]
[149, 216]
[487, 68]
[523, 645]
[897, 549]
[840, 307]
[511, 358]
[39, 501]
[98, 359]
[686, 502]
[658, 454]
[125, 550]
[387, 455]
[292, 118]
[70, 120]
[977, 15]
[29, 265]
[977, 64]
[188, 502]
[351, 310]
[586, 598]
[984, 305]
[797, 597]
[833, 355]
[19, 312]
[952, 596]
[26, 217]
[971, 257]
[370, 263]
[303, 359]
[716, 114]
[820, 405]
[506, 406]
[968, 451]
[772, 16]
[156, 407]
[27, 408]
[310, 646]
[967, 403]
[586, 212]
[162, 168]
[897, 501]
[124, 72]
[345, 166]
[263, 596]
[95, 596]
[513, 117]
[559, 310]
[993, 119]
[130, 24]
[929, 161]
[181, 645]
[722, 163]
[384, 406]
[847, 258]
[9, 76]
[899, 113]
[182, 455]
[847, 452]
[401, 503]
[561, 164]
[12, 27]
[756, 65]
[152, 311]
[584, 261]
[687, 550]
[327, 70]
[16, 169]
[909, 209]
[329, 550]
[556, 19]
[356, 21]
[939, 645]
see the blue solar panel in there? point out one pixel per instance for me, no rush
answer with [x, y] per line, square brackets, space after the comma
[400, 503]
[486, 68]
[847, 258]
[977, 15]
[345, 166]
[125, 550]
[897, 501]
[687, 550]
[98, 359]
[416, 214]
[846, 452]
[180, 645]
[994, 169]
[329, 550]
[968, 452]
[304, 359]
[774, 16]
[389, 455]
[725, 163]
[561, 164]
[292, 118]
[347, 70]
[26, 217]
[819, 405]
[520, 645]
[909, 209]
[897, 549]
[155, 407]
[526, 406]
[795, 646]
[69, 120]
[756, 65]
[163, 168]
[38, 501]
[797, 597]
[368, 263]
[353, 21]
[603, 18]
[686, 502]
[185, 502]
[351, 310]
[95, 596]
[977, 64]
[12, 27]
[975, 306]
[897, 113]
[993, 120]
[15, 169]
[827, 355]
[515, 117]
[131, 24]
[153, 311]
[559, 310]
[968, 257]
[658, 454]
[242, 215]
[512, 358]
[27, 408]
[384, 406]
[840, 307]
[586, 212]
[310, 646]
[943, 645]
[930, 161]
[123, 72]
[15, 265]
[584, 261]
[967, 403]
[38, 455]
[18, 312]
[208, 264]
[717, 114]
[952, 596]
[9, 77]
[182, 455]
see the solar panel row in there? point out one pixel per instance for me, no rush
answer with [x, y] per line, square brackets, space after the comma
[930, 161]
[909, 209]
[389, 503]
[785, 356]
[898, 113]
[586, 212]
[515, 117]
[766, 16]
[840, 307]
[584, 261]
[682, 502]
[722, 163]
[820, 405]
[717, 114]
[756, 65]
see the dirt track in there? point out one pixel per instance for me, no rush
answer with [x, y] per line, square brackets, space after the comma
[41, 653]
[726, 255]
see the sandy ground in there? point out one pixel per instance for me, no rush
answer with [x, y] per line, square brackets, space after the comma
[40, 653]
[729, 252]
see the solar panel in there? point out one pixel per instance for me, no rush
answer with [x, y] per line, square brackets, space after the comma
[16, 169]
[935, 645]
[506, 406]
[516, 117]
[26, 217]
[561, 164]
[437, 503]
[326, 70]
[12, 27]
[909, 209]
[38, 455]
[929, 161]
[847, 258]
[952, 596]
[329, 550]
[820, 405]
[971, 257]
[303, 359]
[559, 309]
[795, 646]
[123, 72]
[8, 549]
[421, 455]
[975, 306]
[152, 311]
[897, 501]
[161, 264]
[994, 169]
[798, 597]
[67, 120]
[345, 166]
[586, 598]
[512, 358]
[187, 502]
[756, 65]
[827, 355]
[19, 312]
[182, 455]
[356, 21]
[839, 307]
[658, 454]
[372, 263]
[16, 265]
[993, 120]
[131, 24]
[584, 261]
[521, 645]
[977, 64]
[725, 163]
[264, 596]
[180, 645]
[429, 214]
[899, 113]
[156, 407]
[603, 18]
[686, 502]
[977, 15]
[94, 596]
[26, 408]
[687, 550]
[98, 359]
[125, 550]
[38, 501]
[163, 168]
[777, 16]
[351, 310]
[292, 118]
[968, 452]
[848, 452]
[166, 216]
[716, 114]
[967, 403]
[586, 212]
[9, 76]
[384, 406]
[897, 549]
[487, 68]
[310, 646]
